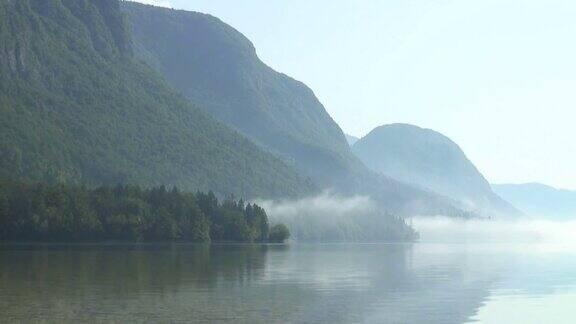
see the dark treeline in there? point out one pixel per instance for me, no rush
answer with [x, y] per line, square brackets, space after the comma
[63, 213]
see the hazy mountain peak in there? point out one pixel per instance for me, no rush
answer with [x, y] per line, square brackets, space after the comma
[429, 159]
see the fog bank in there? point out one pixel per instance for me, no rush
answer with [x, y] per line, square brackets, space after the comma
[326, 205]
[331, 217]
[445, 229]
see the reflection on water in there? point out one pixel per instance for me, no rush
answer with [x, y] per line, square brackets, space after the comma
[539, 288]
[337, 283]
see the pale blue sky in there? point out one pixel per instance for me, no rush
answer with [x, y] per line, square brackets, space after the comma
[497, 76]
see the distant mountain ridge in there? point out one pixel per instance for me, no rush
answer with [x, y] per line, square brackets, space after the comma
[351, 139]
[77, 107]
[539, 200]
[431, 160]
[216, 67]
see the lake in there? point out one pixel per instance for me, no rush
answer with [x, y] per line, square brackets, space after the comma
[296, 283]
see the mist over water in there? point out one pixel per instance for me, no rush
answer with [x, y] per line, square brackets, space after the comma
[333, 212]
[327, 205]
[329, 217]
[521, 230]
[460, 271]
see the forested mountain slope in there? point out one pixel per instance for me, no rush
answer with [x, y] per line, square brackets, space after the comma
[429, 159]
[76, 106]
[217, 67]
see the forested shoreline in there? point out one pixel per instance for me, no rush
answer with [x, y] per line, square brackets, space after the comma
[64, 213]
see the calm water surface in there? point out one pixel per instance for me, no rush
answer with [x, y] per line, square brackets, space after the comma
[298, 283]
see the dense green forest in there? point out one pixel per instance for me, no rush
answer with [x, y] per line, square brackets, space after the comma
[64, 213]
[77, 107]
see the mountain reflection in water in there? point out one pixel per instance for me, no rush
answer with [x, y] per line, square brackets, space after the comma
[337, 283]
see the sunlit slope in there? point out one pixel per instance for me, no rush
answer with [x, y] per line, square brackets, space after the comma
[77, 107]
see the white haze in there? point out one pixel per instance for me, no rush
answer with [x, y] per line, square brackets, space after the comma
[325, 217]
[329, 217]
[525, 230]
[327, 205]
[332, 212]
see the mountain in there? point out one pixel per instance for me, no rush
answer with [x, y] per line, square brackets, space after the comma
[351, 139]
[215, 66]
[431, 160]
[78, 107]
[539, 200]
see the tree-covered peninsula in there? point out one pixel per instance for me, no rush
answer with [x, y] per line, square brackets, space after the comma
[65, 213]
